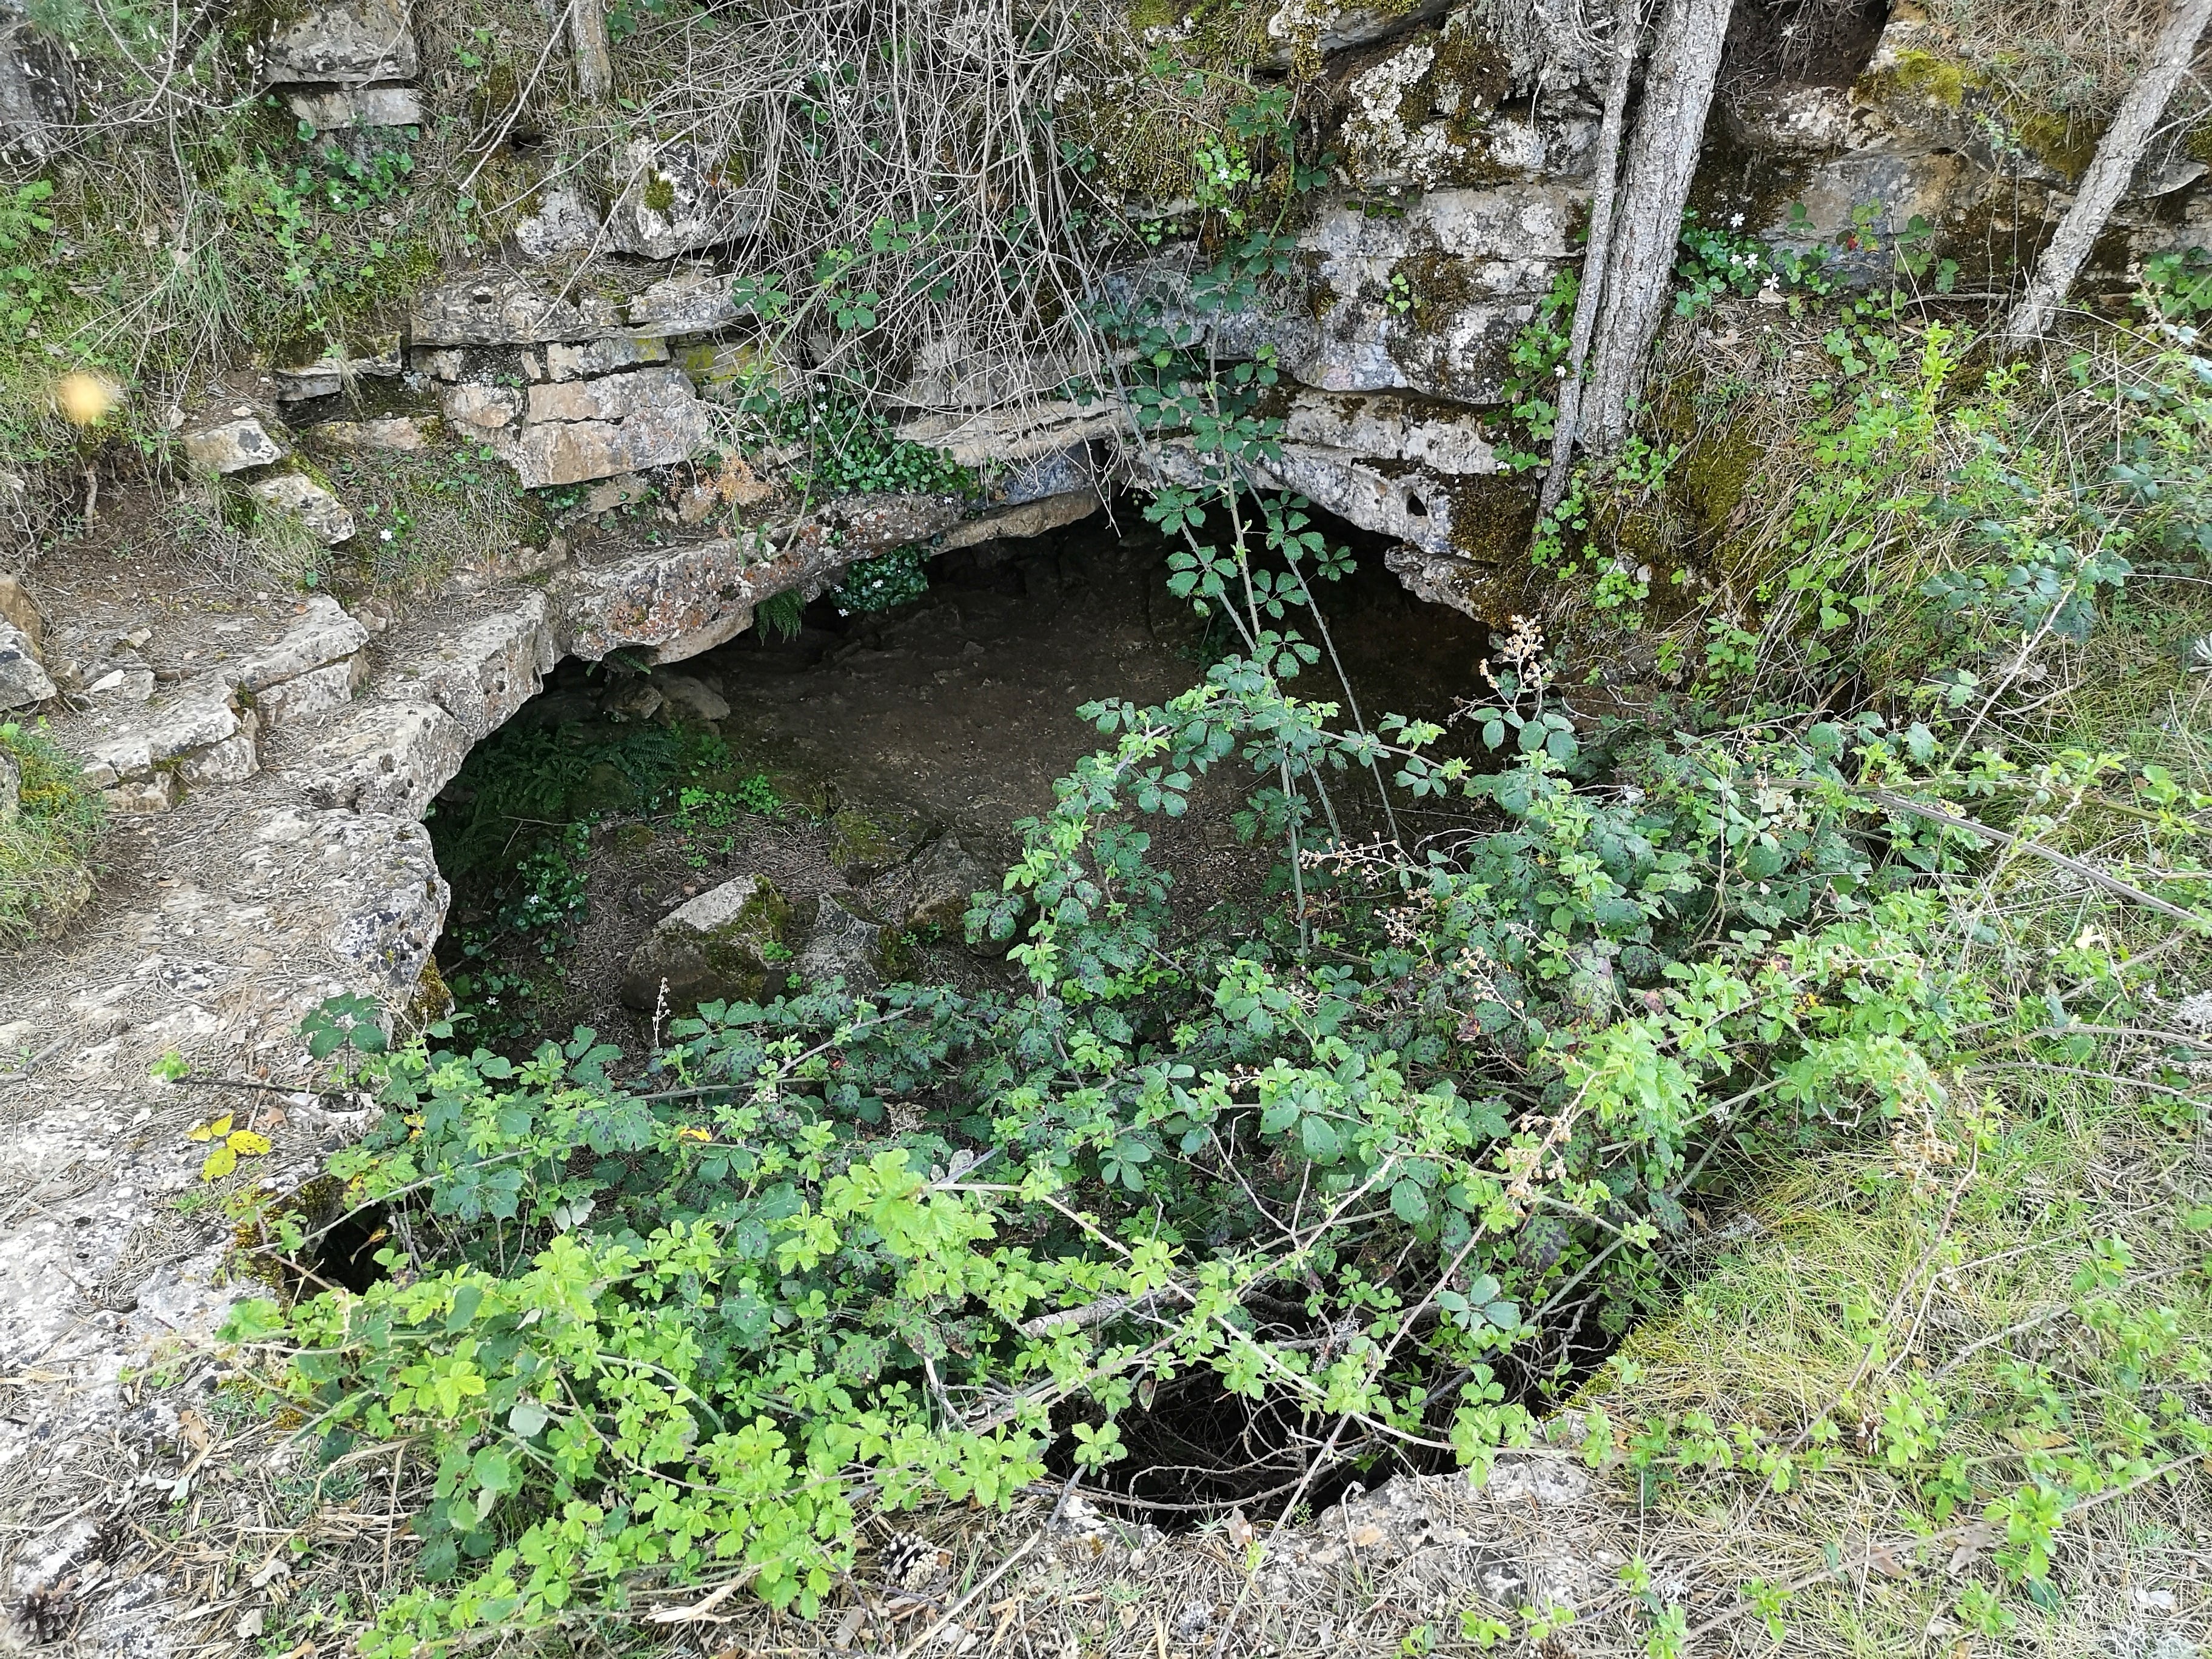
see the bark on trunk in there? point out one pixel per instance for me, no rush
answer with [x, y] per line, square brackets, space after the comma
[1678, 94]
[1627, 31]
[2118, 155]
[593, 51]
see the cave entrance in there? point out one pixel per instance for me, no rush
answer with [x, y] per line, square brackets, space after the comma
[868, 766]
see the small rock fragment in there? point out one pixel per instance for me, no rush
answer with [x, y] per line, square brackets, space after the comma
[233, 445]
[24, 679]
[323, 513]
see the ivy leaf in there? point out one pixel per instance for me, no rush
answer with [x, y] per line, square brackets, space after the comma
[527, 1418]
[1318, 1136]
[246, 1143]
[220, 1162]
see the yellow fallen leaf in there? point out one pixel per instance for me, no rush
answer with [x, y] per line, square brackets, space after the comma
[220, 1162]
[214, 1131]
[246, 1143]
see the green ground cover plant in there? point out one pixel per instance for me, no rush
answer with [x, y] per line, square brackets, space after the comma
[46, 842]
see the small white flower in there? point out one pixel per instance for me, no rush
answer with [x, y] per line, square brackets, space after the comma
[385, 535]
[1735, 221]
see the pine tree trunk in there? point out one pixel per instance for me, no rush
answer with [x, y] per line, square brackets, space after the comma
[1605, 179]
[1662, 158]
[593, 50]
[2118, 153]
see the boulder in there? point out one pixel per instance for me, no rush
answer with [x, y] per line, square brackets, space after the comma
[404, 433]
[602, 357]
[487, 672]
[675, 198]
[723, 371]
[326, 375]
[1428, 115]
[691, 698]
[611, 493]
[323, 513]
[716, 948]
[1032, 518]
[235, 443]
[846, 944]
[234, 759]
[631, 700]
[155, 794]
[487, 409]
[695, 300]
[504, 307]
[324, 633]
[23, 678]
[386, 757]
[1470, 267]
[123, 677]
[1328, 28]
[199, 718]
[315, 692]
[349, 44]
[1043, 432]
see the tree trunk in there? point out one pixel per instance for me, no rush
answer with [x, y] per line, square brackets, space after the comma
[593, 51]
[1664, 156]
[1605, 179]
[2118, 155]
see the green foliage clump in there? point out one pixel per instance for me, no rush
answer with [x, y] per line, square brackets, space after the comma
[25, 296]
[884, 582]
[780, 616]
[1715, 260]
[852, 450]
[45, 848]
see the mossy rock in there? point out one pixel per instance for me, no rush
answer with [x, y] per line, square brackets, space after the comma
[716, 948]
[863, 846]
